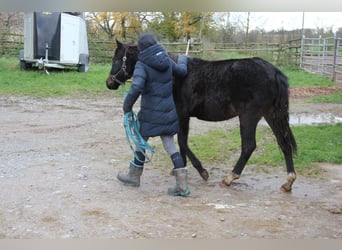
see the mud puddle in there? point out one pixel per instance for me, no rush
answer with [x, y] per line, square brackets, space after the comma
[314, 119]
[311, 119]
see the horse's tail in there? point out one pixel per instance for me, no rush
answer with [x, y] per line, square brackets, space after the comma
[281, 114]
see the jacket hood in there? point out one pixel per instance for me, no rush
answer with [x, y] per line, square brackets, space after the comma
[156, 57]
[146, 41]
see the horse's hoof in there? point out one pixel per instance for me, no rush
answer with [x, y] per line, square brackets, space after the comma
[204, 174]
[285, 189]
[230, 178]
[287, 186]
[223, 184]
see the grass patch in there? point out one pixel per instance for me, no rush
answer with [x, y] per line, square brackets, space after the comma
[215, 145]
[14, 81]
[333, 98]
[321, 143]
[299, 78]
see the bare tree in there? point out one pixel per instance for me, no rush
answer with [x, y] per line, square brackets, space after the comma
[103, 21]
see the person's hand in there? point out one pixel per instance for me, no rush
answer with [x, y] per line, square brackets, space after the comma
[126, 110]
[182, 58]
[129, 116]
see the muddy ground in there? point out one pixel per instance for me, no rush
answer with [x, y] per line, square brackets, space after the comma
[58, 163]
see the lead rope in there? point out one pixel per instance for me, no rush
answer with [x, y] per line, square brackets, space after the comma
[133, 136]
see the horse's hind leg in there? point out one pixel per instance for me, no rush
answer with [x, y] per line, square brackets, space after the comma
[248, 126]
[286, 141]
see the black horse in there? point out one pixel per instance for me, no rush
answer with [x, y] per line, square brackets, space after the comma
[249, 88]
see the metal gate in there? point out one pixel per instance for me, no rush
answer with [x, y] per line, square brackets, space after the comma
[322, 56]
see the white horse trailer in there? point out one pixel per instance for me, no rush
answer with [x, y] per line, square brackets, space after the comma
[55, 40]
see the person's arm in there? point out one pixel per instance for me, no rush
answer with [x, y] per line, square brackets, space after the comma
[137, 86]
[180, 68]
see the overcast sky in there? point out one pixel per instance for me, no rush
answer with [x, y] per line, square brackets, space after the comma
[291, 20]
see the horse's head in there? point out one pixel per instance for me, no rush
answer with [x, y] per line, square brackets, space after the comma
[123, 62]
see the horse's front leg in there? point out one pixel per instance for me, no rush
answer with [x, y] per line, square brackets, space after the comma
[185, 150]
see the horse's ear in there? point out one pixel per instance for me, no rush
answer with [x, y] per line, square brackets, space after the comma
[118, 43]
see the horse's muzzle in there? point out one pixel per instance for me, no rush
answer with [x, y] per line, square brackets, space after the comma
[112, 84]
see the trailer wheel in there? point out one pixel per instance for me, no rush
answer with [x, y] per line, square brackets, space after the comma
[84, 63]
[81, 68]
[24, 65]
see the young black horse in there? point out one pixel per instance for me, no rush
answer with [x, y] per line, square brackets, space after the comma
[249, 88]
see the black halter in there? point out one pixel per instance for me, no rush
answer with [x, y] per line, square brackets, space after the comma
[123, 68]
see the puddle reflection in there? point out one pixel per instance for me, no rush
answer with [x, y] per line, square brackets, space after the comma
[312, 119]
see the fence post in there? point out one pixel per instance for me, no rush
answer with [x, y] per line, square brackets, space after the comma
[324, 53]
[301, 52]
[335, 56]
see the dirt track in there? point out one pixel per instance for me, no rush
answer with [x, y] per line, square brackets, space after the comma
[59, 158]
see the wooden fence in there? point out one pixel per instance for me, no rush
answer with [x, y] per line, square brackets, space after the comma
[101, 51]
[11, 43]
[278, 53]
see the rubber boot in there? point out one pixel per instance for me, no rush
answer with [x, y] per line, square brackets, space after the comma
[181, 174]
[135, 171]
[181, 188]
